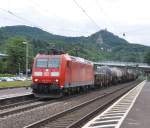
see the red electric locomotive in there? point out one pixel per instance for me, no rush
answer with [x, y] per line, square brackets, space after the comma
[53, 75]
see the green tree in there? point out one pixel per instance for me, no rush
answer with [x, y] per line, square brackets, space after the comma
[3, 65]
[147, 57]
[16, 51]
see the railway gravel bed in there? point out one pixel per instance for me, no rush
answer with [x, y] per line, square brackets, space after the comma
[4, 91]
[28, 117]
[22, 107]
[66, 118]
[15, 99]
[19, 103]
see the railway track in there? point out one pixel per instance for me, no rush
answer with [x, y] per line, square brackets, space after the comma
[15, 100]
[28, 104]
[11, 105]
[22, 106]
[72, 117]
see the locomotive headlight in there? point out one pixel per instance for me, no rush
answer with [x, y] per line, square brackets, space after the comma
[36, 80]
[46, 70]
[56, 80]
[61, 86]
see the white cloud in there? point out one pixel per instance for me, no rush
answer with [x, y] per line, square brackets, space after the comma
[65, 18]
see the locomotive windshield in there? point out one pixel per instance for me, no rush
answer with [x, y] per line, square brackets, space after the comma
[47, 63]
[41, 63]
[53, 63]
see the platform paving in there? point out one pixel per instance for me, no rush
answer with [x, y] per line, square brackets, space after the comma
[139, 115]
[8, 93]
[132, 110]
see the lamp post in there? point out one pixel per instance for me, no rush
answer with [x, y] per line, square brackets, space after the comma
[19, 69]
[26, 43]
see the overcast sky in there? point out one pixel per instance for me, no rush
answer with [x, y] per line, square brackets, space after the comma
[81, 17]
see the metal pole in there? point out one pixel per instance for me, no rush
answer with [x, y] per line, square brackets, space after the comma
[26, 59]
[26, 43]
[19, 69]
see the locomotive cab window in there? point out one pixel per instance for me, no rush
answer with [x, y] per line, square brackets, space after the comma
[41, 63]
[54, 63]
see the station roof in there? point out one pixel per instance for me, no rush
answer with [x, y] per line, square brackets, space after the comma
[143, 66]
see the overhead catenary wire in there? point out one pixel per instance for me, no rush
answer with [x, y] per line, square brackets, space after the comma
[31, 23]
[21, 18]
[47, 11]
[66, 29]
[109, 19]
[35, 25]
[84, 11]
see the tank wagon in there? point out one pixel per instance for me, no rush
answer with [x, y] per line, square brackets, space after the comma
[118, 75]
[102, 76]
[55, 75]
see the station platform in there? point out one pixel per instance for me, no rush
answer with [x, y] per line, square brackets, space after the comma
[131, 111]
[139, 116]
[14, 92]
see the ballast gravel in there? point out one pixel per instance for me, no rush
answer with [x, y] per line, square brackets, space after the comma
[22, 119]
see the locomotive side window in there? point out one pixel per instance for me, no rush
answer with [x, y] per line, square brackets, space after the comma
[41, 63]
[54, 63]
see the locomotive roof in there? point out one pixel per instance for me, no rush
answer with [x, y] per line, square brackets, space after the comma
[45, 55]
[67, 56]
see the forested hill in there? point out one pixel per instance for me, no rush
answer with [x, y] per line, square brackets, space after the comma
[102, 45]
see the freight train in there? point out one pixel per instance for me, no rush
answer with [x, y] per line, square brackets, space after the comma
[56, 75]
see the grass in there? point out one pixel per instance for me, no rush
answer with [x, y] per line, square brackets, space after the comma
[15, 84]
[6, 75]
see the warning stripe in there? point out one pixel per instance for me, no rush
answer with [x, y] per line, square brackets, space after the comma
[116, 113]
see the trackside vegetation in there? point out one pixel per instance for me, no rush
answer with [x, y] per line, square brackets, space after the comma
[15, 84]
[7, 75]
